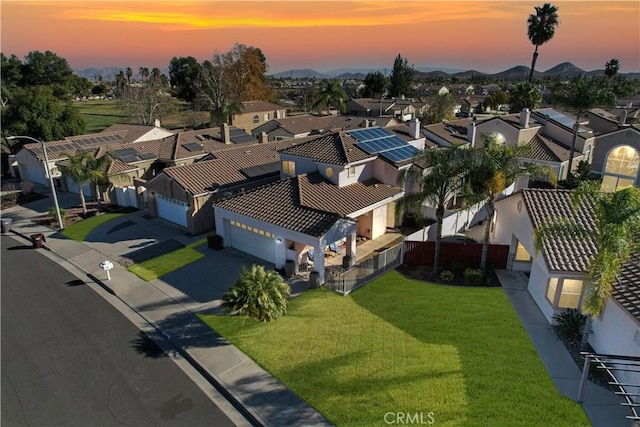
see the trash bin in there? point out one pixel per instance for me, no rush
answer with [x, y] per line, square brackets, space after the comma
[37, 240]
[6, 225]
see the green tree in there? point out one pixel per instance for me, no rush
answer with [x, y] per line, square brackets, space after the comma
[183, 72]
[121, 84]
[435, 177]
[524, 95]
[129, 73]
[611, 68]
[48, 69]
[496, 167]
[375, 85]
[144, 73]
[11, 75]
[331, 95]
[36, 112]
[258, 293]
[579, 97]
[440, 109]
[541, 28]
[615, 231]
[401, 79]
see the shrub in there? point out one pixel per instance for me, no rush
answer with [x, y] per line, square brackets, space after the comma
[446, 276]
[473, 276]
[257, 293]
[215, 241]
[569, 325]
[53, 216]
[457, 267]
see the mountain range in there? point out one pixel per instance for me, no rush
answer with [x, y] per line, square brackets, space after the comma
[519, 72]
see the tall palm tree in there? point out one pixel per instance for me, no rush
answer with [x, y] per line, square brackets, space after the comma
[611, 68]
[616, 218]
[144, 73]
[524, 95]
[97, 170]
[121, 82]
[495, 167]
[580, 96]
[331, 94]
[76, 170]
[440, 177]
[541, 28]
[258, 293]
[129, 73]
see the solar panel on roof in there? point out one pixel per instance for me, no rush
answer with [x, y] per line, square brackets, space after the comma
[261, 170]
[400, 154]
[128, 159]
[239, 136]
[192, 146]
[147, 156]
[125, 152]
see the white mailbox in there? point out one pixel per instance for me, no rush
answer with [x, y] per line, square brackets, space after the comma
[106, 266]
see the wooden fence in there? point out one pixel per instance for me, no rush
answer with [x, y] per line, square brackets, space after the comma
[421, 253]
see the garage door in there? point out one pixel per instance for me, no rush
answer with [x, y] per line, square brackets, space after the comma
[172, 210]
[252, 240]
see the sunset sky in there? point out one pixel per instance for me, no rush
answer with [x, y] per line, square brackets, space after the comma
[487, 36]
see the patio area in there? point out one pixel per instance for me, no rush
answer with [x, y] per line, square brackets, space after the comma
[365, 248]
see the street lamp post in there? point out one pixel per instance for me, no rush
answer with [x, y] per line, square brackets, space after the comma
[48, 172]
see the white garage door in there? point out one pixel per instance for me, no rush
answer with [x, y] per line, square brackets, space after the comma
[252, 240]
[172, 210]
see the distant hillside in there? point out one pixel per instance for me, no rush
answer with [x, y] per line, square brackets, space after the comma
[468, 74]
[566, 69]
[519, 72]
[300, 74]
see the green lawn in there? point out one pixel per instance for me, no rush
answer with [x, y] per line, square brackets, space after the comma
[81, 229]
[398, 345]
[102, 113]
[159, 266]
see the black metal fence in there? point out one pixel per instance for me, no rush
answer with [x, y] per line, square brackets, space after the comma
[345, 281]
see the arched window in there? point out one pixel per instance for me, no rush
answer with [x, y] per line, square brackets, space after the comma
[621, 168]
[256, 119]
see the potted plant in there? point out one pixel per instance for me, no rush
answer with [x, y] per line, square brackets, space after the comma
[314, 280]
[289, 268]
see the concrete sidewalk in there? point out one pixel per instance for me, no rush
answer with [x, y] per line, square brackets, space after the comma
[172, 313]
[603, 407]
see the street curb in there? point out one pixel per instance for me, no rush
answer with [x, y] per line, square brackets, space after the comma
[247, 413]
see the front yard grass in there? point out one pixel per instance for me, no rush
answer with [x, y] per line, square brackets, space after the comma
[401, 345]
[81, 229]
[159, 266]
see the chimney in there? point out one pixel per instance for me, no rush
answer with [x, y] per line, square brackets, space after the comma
[471, 133]
[157, 123]
[414, 127]
[525, 116]
[623, 118]
[263, 137]
[226, 137]
[366, 123]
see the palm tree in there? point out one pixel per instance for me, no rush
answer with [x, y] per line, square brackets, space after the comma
[580, 96]
[611, 68]
[129, 73]
[121, 82]
[440, 178]
[524, 95]
[495, 167]
[541, 29]
[332, 94]
[144, 73]
[76, 170]
[258, 293]
[616, 219]
[97, 170]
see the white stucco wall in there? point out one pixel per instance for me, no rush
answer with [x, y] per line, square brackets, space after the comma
[538, 281]
[384, 172]
[618, 333]
[363, 171]
[379, 222]
[157, 133]
[303, 164]
[31, 169]
[510, 133]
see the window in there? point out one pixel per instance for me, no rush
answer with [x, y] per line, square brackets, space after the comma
[621, 168]
[256, 119]
[587, 154]
[522, 254]
[266, 117]
[352, 171]
[329, 172]
[289, 167]
[567, 291]
[253, 229]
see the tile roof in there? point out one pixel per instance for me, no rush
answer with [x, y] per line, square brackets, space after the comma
[454, 132]
[133, 131]
[297, 125]
[318, 193]
[307, 203]
[259, 106]
[336, 148]
[209, 140]
[278, 204]
[627, 290]
[561, 254]
[206, 175]
[545, 149]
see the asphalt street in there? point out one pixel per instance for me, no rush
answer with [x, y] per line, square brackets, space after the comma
[69, 358]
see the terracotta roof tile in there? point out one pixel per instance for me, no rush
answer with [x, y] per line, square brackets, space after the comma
[545, 149]
[627, 290]
[561, 254]
[258, 106]
[332, 148]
